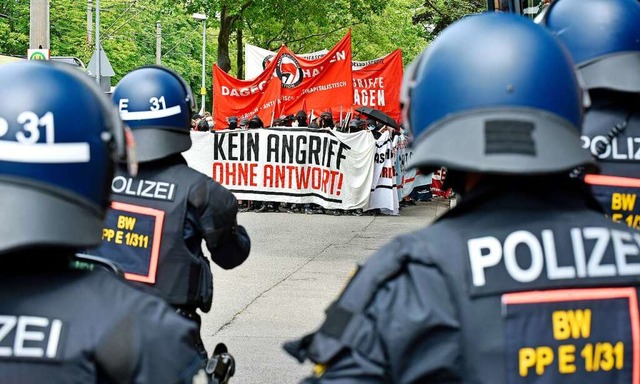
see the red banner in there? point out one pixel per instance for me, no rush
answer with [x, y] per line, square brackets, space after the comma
[376, 83]
[318, 84]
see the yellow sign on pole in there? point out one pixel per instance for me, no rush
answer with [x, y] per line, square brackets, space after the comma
[203, 90]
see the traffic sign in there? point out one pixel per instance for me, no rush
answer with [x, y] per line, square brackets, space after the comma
[38, 54]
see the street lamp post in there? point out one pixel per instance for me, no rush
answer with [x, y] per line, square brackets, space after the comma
[98, 47]
[203, 17]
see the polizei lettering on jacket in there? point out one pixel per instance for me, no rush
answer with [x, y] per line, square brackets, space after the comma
[30, 337]
[529, 258]
[618, 149]
[150, 189]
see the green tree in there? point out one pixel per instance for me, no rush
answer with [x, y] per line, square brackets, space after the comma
[227, 15]
[67, 31]
[391, 29]
[436, 15]
[128, 30]
[14, 27]
[302, 25]
[128, 34]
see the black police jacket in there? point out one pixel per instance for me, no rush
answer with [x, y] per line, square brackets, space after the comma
[508, 287]
[611, 132]
[59, 325]
[156, 224]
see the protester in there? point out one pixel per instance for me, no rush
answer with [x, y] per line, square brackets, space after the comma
[209, 119]
[169, 202]
[375, 128]
[233, 122]
[262, 206]
[326, 120]
[357, 125]
[609, 63]
[312, 209]
[301, 118]
[63, 319]
[285, 120]
[256, 122]
[203, 125]
[439, 188]
[477, 295]
[194, 121]
[244, 205]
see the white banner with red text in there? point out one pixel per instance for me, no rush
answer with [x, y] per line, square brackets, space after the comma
[384, 189]
[292, 165]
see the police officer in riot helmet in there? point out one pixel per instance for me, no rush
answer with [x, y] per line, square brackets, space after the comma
[63, 319]
[233, 122]
[603, 37]
[165, 212]
[484, 294]
[256, 122]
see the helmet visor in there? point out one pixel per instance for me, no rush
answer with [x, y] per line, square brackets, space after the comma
[153, 144]
[526, 141]
[620, 72]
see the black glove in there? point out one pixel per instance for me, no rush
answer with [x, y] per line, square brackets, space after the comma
[221, 366]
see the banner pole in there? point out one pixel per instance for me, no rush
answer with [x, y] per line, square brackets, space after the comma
[273, 112]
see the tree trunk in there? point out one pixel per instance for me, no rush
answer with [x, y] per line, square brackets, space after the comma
[226, 23]
[239, 45]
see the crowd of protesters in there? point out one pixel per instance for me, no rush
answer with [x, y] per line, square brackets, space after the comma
[205, 123]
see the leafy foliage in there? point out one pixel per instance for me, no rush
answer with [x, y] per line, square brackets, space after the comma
[128, 30]
[307, 26]
[389, 30]
[436, 15]
[14, 27]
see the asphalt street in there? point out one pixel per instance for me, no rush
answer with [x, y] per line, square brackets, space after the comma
[298, 265]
